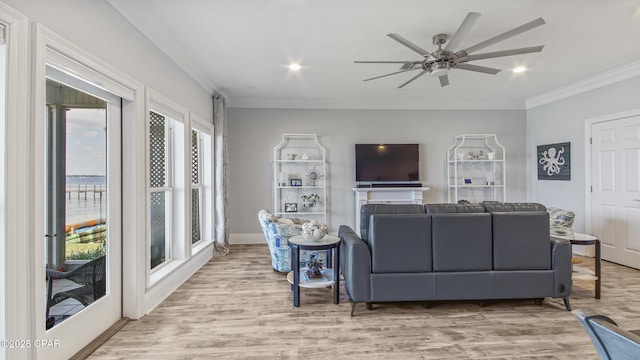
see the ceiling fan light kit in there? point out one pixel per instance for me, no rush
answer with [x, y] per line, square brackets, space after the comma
[439, 69]
[440, 62]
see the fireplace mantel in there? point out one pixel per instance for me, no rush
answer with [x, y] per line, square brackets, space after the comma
[386, 195]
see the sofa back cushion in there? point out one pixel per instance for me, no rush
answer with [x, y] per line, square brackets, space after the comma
[521, 240]
[461, 242]
[453, 208]
[497, 206]
[400, 243]
[369, 209]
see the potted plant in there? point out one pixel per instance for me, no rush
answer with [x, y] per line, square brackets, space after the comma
[310, 200]
[314, 266]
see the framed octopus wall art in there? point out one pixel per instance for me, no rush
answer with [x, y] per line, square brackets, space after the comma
[554, 161]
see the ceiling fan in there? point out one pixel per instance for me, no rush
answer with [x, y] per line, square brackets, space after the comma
[441, 61]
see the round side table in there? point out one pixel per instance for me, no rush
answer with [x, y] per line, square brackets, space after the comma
[330, 243]
[586, 239]
[580, 273]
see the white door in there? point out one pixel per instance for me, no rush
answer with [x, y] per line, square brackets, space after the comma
[615, 200]
[82, 214]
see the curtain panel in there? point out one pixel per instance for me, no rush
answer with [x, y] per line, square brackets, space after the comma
[221, 170]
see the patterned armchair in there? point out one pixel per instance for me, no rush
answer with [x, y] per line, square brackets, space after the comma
[561, 221]
[277, 231]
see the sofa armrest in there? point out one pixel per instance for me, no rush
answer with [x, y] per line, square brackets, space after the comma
[355, 264]
[561, 264]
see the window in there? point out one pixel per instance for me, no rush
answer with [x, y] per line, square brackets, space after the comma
[196, 187]
[180, 196]
[201, 183]
[160, 189]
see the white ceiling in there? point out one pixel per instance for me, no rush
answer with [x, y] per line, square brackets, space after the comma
[242, 48]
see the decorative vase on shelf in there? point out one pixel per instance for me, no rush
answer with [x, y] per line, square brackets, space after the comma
[314, 230]
[292, 156]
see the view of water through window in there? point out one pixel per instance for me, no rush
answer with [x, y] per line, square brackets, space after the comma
[85, 183]
[76, 201]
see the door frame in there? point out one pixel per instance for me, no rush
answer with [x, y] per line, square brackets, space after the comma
[51, 49]
[105, 311]
[15, 299]
[587, 166]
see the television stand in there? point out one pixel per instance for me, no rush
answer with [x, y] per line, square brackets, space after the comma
[385, 195]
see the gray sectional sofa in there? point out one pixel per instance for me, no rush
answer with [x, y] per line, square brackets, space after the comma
[438, 252]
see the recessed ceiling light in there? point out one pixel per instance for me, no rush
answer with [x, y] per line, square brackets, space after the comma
[519, 69]
[295, 67]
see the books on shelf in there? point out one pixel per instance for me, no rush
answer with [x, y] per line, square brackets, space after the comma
[309, 279]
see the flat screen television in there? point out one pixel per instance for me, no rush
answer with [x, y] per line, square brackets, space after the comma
[387, 163]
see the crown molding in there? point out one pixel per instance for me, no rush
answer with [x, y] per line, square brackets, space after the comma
[609, 77]
[159, 37]
[338, 104]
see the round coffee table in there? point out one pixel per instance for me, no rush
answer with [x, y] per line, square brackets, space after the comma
[331, 276]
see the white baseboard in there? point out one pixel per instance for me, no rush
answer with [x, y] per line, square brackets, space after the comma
[247, 238]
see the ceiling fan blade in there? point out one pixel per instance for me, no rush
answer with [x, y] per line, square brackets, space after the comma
[444, 80]
[482, 69]
[387, 62]
[409, 44]
[462, 31]
[511, 33]
[413, 78]
[496, 54]
[393, 73]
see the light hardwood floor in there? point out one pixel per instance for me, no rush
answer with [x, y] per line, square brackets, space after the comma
[236, 307]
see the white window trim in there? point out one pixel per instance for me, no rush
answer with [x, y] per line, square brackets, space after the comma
[53, 50]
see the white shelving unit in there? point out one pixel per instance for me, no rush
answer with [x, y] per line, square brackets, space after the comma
[476, 169]
[304, 174]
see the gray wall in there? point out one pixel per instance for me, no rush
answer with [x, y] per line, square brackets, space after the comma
[254, 132]
[100, 30]
[564, 120]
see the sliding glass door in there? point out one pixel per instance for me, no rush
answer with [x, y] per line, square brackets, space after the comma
[82, 205]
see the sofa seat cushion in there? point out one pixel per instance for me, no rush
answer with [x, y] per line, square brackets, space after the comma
[369, 209]
[462, 242]
[522, 284]
[402, 287]
[400, 243]
[521, 241]
[472, 285]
